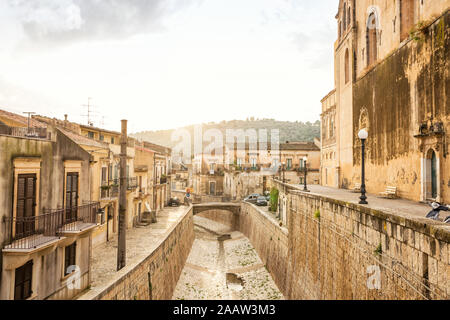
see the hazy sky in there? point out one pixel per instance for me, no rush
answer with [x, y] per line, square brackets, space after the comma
[167, 63]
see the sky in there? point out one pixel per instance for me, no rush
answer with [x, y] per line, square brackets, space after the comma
[163, 64]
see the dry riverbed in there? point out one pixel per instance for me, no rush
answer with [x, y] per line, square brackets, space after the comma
[223, 265]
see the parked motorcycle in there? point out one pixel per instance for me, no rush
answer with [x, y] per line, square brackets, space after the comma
[437, 208]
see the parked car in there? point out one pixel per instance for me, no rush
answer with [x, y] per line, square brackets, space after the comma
[261, 201]
[174, 202]
[252, 198]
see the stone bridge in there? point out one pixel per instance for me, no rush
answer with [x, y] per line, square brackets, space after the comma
[235, 208]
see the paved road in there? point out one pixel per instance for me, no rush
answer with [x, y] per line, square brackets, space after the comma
[401, 207]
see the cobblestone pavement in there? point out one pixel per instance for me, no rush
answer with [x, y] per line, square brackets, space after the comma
[401, 207]
[140, 242]
[223, 265]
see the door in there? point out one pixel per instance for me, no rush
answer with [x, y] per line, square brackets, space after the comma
[212, 188]
[71, 196]
[433, 176]
[26, 205]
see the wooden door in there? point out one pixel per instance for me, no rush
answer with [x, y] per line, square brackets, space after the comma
[71, 196]
[26, 205]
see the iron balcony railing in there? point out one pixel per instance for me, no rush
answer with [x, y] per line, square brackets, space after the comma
[132, 183]
[110, 189]
[31, 232]
[39, 133]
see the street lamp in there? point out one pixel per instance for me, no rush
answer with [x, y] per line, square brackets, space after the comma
[305, 188]
[284, 170]
[363, 135]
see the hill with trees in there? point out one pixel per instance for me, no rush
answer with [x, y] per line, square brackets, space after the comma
[288, 131]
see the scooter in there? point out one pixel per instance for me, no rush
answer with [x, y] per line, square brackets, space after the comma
[437, 208]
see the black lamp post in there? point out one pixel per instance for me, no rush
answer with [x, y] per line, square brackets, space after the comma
[305, 188]
[363, 135]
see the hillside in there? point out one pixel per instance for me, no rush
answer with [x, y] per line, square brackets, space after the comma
[289, 131]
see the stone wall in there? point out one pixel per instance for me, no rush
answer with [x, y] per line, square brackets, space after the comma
[269, 240]
[222, 216]
[332, 249]
[155, 277]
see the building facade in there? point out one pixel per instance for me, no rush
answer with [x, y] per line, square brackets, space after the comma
[47, 216]
[391, 66]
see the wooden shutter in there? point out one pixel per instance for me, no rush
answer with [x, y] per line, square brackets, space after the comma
[23, 281]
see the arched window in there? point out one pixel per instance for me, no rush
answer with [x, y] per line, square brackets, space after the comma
[347, 67]
[340, 29]
[372, 39]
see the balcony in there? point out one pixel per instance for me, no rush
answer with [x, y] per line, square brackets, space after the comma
[109, 190]
[27, 233]
[36, 133]
[132, 183]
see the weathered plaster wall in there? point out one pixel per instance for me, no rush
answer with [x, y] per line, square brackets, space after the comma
[405, 90]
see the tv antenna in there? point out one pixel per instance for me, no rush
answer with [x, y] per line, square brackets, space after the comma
[29, 117]
[89, 112]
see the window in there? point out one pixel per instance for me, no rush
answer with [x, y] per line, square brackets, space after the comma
[26, 205]
[345, 16]
[347, 67]
[349, 16]
[90, 135]
[23, 281]
[71, 196]
[239, 162]
[69, 258]
[406, 18]
[110, 172]
[112, 140]
[289, 164]
[253, 163]
[102, 137]
[372, 41]
[332, 127]
[104, 174]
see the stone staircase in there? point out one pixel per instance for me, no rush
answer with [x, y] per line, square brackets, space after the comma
[147, 219]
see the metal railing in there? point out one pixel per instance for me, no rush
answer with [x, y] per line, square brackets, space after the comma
[132, 183]
[109, 189]
[39, 133]
[30, 232]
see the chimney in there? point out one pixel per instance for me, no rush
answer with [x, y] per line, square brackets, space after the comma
[65, 117]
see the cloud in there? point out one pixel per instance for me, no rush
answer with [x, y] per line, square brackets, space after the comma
[50, 22]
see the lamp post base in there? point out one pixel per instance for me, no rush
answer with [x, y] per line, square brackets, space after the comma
[363, 200]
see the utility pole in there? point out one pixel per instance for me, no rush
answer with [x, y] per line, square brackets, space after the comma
[121, 247]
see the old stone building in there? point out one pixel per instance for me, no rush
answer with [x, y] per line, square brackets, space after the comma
[329, 166]
[208, 174]
[47, 216]
[391, 77]
[250, 168]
